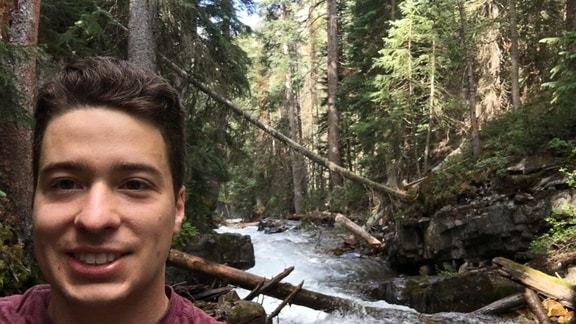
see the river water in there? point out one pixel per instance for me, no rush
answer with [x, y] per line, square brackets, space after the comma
[341, 276]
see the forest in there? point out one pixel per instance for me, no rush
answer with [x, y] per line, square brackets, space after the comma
[381, 110]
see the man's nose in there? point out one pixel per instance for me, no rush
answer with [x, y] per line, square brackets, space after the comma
[99, 211]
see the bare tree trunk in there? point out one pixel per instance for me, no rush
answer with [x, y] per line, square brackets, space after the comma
[571, 15]
[310, 98]
[141, 40]
[431, 101]
[471, 84]
[332, 79]
[290, 102]
[514, 57]
[15, 135]
[489, 86]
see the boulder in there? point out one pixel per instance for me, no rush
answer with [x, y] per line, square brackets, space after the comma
[502, 220]
[449, 293]
[238, 311]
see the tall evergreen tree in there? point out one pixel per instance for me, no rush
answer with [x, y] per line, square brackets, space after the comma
[332, 84]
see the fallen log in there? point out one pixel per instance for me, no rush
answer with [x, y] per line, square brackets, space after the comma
[311, 299]
[249, 281]
[313, 216]
[547, 285]
[281, 137]
[502, 305]
[535, 306]
[357, 230]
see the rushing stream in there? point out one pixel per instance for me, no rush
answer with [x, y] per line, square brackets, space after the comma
[333, 275]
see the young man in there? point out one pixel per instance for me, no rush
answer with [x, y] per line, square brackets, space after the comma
[108, 177]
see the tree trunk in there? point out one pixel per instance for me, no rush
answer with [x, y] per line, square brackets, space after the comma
[15, 135]
[514, 57]
[141, 40]
[332, 79]
[488, 85]
[357, 230]
[309, 111]
[431, 101]
[290, 103]
[471, 84]
[571, 15]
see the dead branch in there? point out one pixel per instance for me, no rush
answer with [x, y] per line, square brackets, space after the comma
[536, 307]
[269, 283]
[284, 303]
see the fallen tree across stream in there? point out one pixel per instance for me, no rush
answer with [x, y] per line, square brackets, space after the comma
[315, 300]
[281, 137]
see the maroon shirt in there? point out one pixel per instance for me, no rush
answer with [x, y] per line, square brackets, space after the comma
[32, 308]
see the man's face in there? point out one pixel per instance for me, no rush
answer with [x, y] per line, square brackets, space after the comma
[104, 209]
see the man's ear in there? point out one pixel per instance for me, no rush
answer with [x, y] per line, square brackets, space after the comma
[180, 203]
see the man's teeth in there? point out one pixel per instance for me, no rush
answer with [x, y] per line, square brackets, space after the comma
[96, 258]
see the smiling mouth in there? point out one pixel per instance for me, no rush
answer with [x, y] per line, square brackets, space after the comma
[96, 258]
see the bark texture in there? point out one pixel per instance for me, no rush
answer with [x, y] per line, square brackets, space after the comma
[332, 79]
[570, 15]
[15, 135]
[514, 55]
[291, 107]
[470, 82]
[141, 40]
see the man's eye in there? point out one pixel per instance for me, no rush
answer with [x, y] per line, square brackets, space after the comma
[66, 185]
[135, 185]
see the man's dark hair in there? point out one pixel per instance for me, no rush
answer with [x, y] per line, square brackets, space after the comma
[114, 84]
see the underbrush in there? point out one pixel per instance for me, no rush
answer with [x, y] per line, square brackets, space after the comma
[539, 129]
[561, 236]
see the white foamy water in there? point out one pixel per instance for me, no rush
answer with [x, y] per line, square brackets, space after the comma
[330, 275]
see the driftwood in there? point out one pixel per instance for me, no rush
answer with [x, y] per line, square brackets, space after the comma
[266, 284]
[536, 307]
[357, 230]
[502, 305]
[211, 293]
[547, 285]
[285, 302]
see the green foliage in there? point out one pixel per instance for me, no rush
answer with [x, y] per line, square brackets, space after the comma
[535, 128]
[187, 233]
[13, 273]
[351, 196]
[78, 28]
[563, 74]
[562, 233]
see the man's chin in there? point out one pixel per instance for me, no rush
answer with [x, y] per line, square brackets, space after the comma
[96, 295]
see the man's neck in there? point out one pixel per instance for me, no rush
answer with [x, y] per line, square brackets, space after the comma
[136, 309]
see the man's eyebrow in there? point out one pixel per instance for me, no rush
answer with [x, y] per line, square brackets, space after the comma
[77, 166]
[137, 167]
[64, 166]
